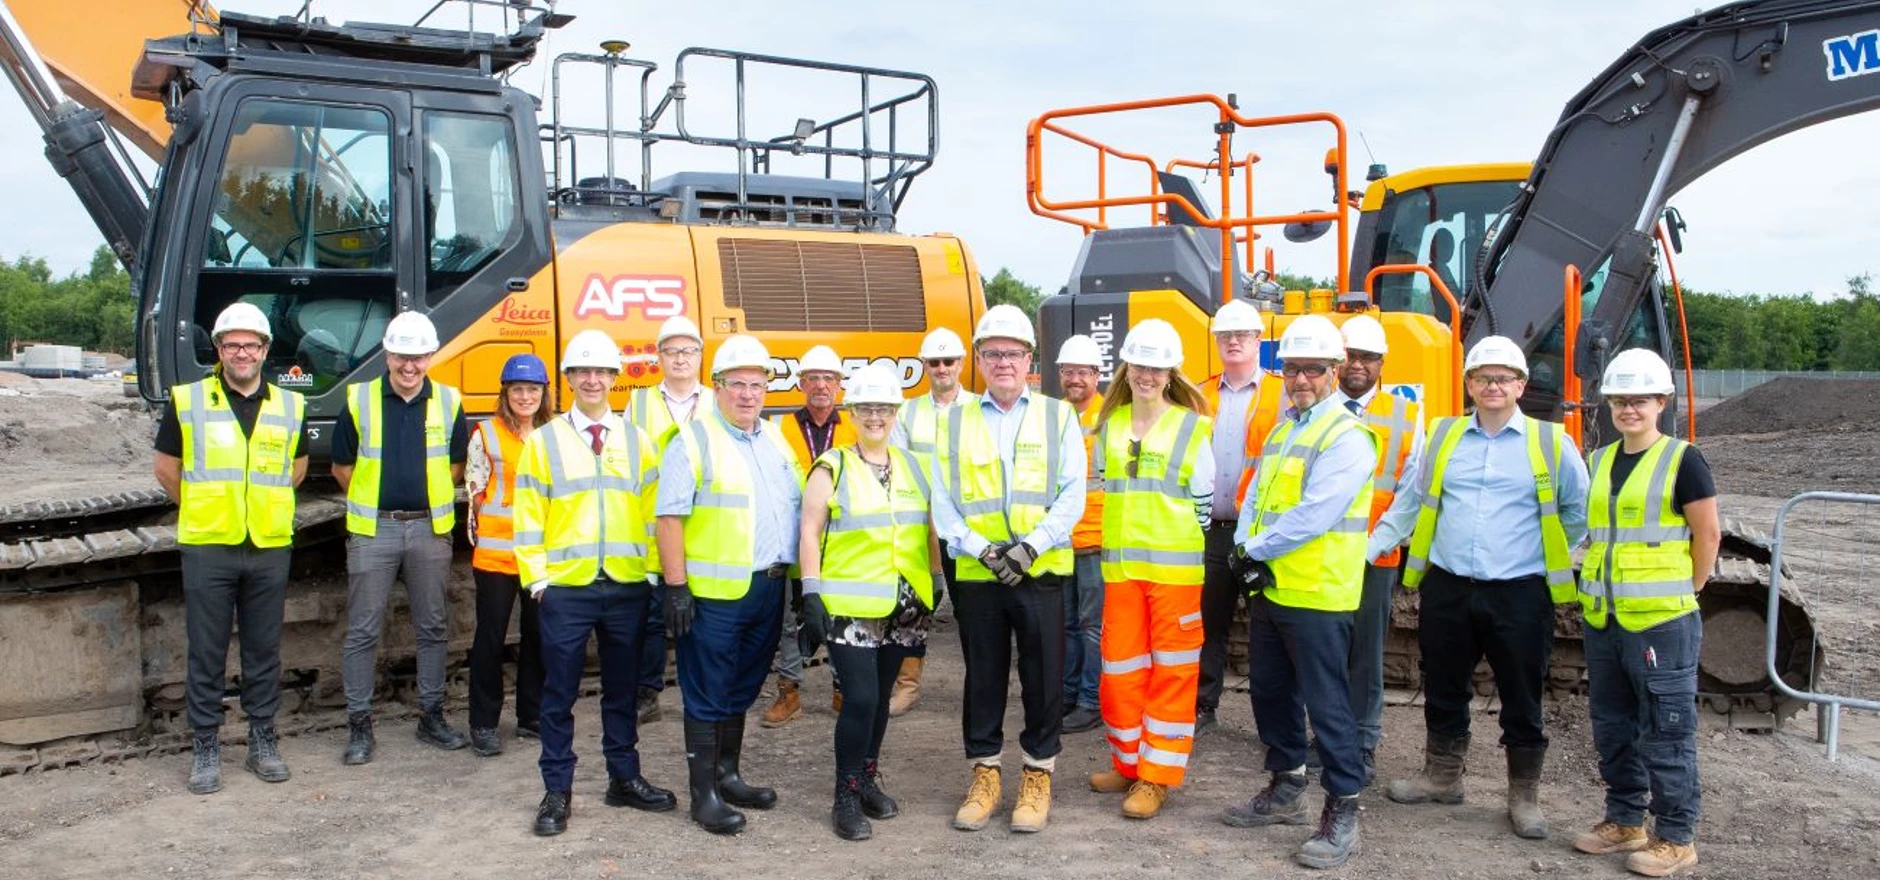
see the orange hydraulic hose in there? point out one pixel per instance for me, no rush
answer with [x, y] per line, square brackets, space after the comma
[1570, 389]
[1684, 335]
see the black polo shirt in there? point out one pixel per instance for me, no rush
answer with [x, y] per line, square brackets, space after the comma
[246, 409]
[401, 479]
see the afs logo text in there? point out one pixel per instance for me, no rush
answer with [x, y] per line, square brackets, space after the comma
[658, 297]
[1853, 55]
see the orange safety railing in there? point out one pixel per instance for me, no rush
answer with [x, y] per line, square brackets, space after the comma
[1684, 337]
[1436, 284]
[1570, 390]
[1233, 225]
[1245, 167]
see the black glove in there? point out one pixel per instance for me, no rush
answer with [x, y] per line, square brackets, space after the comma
[1020, 556]
[996, 559]
[678, 610]
[1253, 574]
[815, 618]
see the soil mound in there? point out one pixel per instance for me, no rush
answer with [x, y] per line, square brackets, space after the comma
[1788, 404]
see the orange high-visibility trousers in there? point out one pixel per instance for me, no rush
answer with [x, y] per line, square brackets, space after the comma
[1151, 669]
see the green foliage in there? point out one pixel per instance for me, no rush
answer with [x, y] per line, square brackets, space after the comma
[92, 310]
[1786, 332]
[1006, 289]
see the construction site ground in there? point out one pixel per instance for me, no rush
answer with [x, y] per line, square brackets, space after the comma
[1774, 805]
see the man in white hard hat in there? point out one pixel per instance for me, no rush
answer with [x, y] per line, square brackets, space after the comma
[661, 410]
[1080, 370]
[943, 356]
[245, 442]
[583, 511]
[399, 447]
[1008, 475]
[1398, 423]
[1498, 503]
[730, 500]
[1300, 546]
[1244, 409]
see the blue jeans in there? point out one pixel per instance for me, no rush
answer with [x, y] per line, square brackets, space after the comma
[1368, 631]
[1083, 632]
[1643, 701]
[616, 614]
[724, 657]
[1298, 659]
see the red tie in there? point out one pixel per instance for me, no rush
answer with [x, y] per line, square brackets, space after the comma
[594, 438]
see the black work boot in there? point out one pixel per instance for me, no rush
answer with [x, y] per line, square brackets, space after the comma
[876, 802]
[485, 741]
[434, 730]
[551, 815]
[639, 794]
[709, 810]
[731, 785]
[1281, 802]
[1524, 795]
[1315, 761]
[1337, 837]
[1370, 767]
[647, 705]
[264, 753]
[846, 815]
[359, 739]
[205, 767]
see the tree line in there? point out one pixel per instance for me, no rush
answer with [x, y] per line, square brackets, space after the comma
[93, 309]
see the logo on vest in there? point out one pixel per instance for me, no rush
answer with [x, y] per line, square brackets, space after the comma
[655, 297]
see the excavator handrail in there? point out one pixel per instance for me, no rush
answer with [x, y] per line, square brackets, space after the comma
[1436, 284]
[1211, 165]
[1571, 394]
[1684, 338]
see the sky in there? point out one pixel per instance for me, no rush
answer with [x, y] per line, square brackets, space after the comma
[1423, 82]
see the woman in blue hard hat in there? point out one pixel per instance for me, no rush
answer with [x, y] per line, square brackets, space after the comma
[490, 481]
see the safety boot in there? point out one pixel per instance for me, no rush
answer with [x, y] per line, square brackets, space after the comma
[846, 815]
[731, 785]
[485, 741]
[906, 687]
[205, 766]
[1444, 761]
[709, 809]
[646, 706]
[1524, 800]
[434, 730]
[359, 739]
[982, 799]
[788, 705]
[1662, 858]
[1032, 811]
[264, 753]
[1610, 837]
[1110, 782]
[1281, 802]
[1337, 838]
[875, 803]
[1145, 800]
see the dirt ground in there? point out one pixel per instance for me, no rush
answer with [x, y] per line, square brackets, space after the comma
[1773, 804]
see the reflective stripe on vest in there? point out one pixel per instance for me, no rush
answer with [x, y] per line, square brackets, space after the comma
[495, 513]
[1327, 572]
[236, 488]
[1543, 461]
[441, 409]
[996, 509]
[580, 514]
[920, 421]
[1639, 562]
[646, 409]
[718, 544]
[1149, 528]
[1394, 420]
[875, 539]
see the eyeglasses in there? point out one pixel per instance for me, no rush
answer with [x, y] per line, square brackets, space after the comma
[1236, 336]
[942, 363]
[819, 378]
[690, 351]
[1311, 371]
[1365, 357]
[873, 410]
[1135, 452]
[1003, 355]
[243, 347]
[1503, 381]
[1077, 372]
[1619, 403]
[737, 387]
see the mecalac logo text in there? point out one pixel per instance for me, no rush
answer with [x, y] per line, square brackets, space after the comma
[1852, 55]
[656, 296]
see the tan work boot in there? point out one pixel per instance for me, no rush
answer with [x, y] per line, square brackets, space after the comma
[982, 800]
[1032, 811]
[1609, 837]
[1110, 782]
[1145, 800]
[906, 687]
[835, 702]
[1662, 859]
[788, 705]
[1441, 780]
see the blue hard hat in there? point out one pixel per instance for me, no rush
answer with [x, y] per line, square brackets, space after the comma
[525, 368]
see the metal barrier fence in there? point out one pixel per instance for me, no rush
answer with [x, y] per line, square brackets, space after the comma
[1729, 383]
[1828, 714]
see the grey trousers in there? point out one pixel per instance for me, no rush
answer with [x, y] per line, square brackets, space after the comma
[406, 547]
[1368, 631]
[225, 587]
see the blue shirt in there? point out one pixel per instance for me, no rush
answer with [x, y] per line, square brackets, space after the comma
[1489, 525]
[779, 496]
[1337, 478]
[1055, 529]
[1230, 440]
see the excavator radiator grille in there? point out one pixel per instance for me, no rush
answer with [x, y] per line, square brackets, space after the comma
[826, 286]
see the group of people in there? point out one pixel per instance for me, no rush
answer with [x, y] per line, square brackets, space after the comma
[1108, 538]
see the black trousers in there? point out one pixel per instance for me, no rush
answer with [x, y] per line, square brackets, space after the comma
[1220, 594]
[497, 594]
[992, 618]
[233, 587]
[1512, 624]
[863, 723]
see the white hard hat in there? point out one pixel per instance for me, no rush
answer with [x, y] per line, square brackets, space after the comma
[1005, 322]
[1153, 343]
[875, 383]
[1080, 350]
[738, 351]
[591, 348]
[1312, 337]
[242, 316]
[1637, 371]
[821, 359]
[678, 327]
[1236, 315]
[410, 334]
[1364, 333]
[1497, 351]
[942, 343]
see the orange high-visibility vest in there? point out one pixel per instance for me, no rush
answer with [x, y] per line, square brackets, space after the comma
[843, 435]
[1394, 420]
[1088, 533]
[496, 527]
[1262, 415]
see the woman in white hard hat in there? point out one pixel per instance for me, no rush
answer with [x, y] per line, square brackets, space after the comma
[1155, 454]
[869, 561]
[1654, 529]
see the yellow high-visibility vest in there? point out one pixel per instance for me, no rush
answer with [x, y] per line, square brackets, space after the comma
[581, 514]
[1544, 462]
[974, 473]
[441, 410]
[719, 553]
[1327, 572]
[921, 421]
[236, 490]
[875, 538]
[1149, 527]
[1639, 563]
[646, 410]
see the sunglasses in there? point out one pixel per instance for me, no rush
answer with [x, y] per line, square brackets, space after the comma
[1135, 452]
[943, 363]
[1313, 371]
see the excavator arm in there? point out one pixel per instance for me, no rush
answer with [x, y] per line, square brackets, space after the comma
[1686, 98]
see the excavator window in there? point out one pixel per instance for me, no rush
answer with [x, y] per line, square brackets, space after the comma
[470, 204]
[1441, 226]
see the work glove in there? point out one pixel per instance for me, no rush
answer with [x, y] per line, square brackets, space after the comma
[939, 588]
[817, 622]
[1253, 574]
[1020, 556]
[1001, 565]
[678, 610]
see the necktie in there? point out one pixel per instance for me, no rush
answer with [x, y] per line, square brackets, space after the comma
[594, 438]
[1355, 407]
